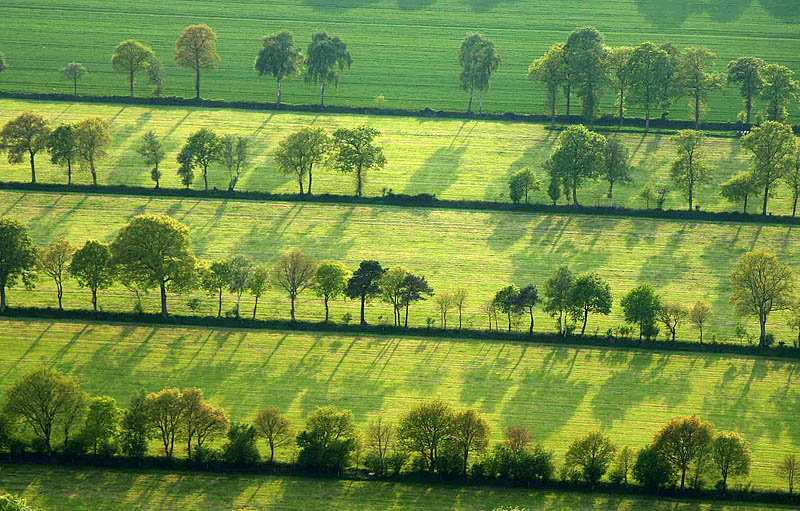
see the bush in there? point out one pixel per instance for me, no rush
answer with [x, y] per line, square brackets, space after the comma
[76, 446]
[241, 448]
[652, 470]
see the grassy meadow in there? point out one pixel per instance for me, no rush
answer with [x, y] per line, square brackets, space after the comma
[481, 251]
[453, 159]
[558, 393]
[81, 490]
[405, 51]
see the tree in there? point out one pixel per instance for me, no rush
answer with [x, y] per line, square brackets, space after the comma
[241, 448]
[328, 440]
[731, 456]
[201, 149]
[698, 316]
[155, 76]
[363, 284]
[92, 139]
[43, 398]
[672, 87]
[103, 418]
[470, 432]
[25, 135]
[517, 439]
[279, 58]
[527, 299]
[681, 440]
[154, 250]
[616, 165]
[507, 302]
[591, 454]
[274, 428]
[425, 427]
[294, 273]
[259, 283]
[52, 260]
[587, 59]
[478, 60]
[771, 144]
[200, 419]
[151, 149]
[579, 155]
[649, 71]
[652, 469]
[354, 152]
[458, 297]
[380, 438]
[760, 284]
[671, 315]
[299, 152]
[778, 90]
[196, 49]
[17, 257]
[233, 154]
[186, 168]
[391, 291]
[136, 431]
[739, 188]
[443, 302]
[131, 57]
[623, 465]
[792, 177]
[63, 148]
[330, 282]
[554, 189]
[326, 58]
[413, 289]
[520, 184]
[550, 71]
[648, 194]
[696, 81]
[240, 269]
[640, 306]
[689, 170]
[557, 292]
[619, 67]
[589, 293]
[166, 412]
[746, 72]
[789, 469]
[214, 279]
[91, 267]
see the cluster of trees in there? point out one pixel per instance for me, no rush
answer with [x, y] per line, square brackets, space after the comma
[154, 252]
[48, 412]
[581, 155]
[654, 76]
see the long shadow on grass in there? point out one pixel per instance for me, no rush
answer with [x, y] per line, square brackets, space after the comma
[438, 172]
[671, 14]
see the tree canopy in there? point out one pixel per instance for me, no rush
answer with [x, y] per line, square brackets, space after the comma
[279, 58]
[326, 58]
[17, 257]
[24, 136]
[196, 49]
[355, 153]
[131, 57]
[479, 60]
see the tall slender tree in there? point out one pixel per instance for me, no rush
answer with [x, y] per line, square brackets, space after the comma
[696, 80]
[649, 68]
[24, 136]
[294, 273]
[690, 170]
[152, 151]
[363, 284]
[772, 145]
[746, 72]
[587, 59]
[201, 149]
[53, 260]
[92, 139]
[550, 70]
[778, 90]
[62, 144]
[619, 66]
[479, 60]
[131, 58]
[196, 49]
[616, 165]
[326, 58]
[91, 267]
[279, 58]
[298, 153]
[73, 72]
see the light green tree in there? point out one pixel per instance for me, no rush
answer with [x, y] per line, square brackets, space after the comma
[690, 170]
[354, 152]
[550, 70]
[696, 80]
[326, 58]
[91, 267]
[298, 153]
[778, 90]
[746, 72]
[579, 155]
[279, 58]
[24, 136]
[771, 145]
[479, 60]
[649, 69]
[131, 58]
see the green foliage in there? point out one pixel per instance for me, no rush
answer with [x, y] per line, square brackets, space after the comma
[589, 294]
[591, 455]
[479, 60]
[260, 281]
[10, 502]
[17, 257]
[641, 305]
[683, 441]
[200, 150]
[616, 165]
[329, 282]
[103, 420]
[363, 283]
[696, 80]
[354, 152]
[731, 456]
[62, 145]
[279, 57]
[557, 292]
[326, 58]
[425, 428]
[131, 58]
[551, 72]
[92, 139]
[23, 137]
[135, 431]
[578, 156]
[196, 49]
[520, 184]
[234, 155]
[507, 302]
[241, 449]
[151, 149]
[586, 59]
[652, 469]
[778, 90]
[772, 144]
[328, 441]
[746, 72]
[73, 72]
[649, 71]
[690, 169]
[299, 152]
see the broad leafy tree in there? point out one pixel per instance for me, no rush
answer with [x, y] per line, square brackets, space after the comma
[671, 315]
[479, 60]
[672, 87]
[731, 456]
[619, 71]
[746, 73]
[53, 260]
[294, 273]
[760, 284]
[587, 59]
[274, 428]
[739, 188]
[699, 315]
[329, 439]
[696, 80]
[424, 429]
[136, 426]
[778, 90]
[131, 57]
[579, 155]
[326, 58]
[214, 279]
[154, 251]
[91, 267]
[652, 469]
[507, 302]
[470, 433]
[73, 72]
[354, 152]
[240, 269]
[589, 294]
[298, 153]
[682, 440]
[196, 49]
[391, 290]
[62, 144]
[201, 149]
[640, 306]
[165, 411]
[152, 151]
[92, 139]
[591, 455]
[279, 58]
[17, 257]
[557, 292]
[771, 145]
[414, 288]
[550, 70]
[23, 137]
[527, 299]
[103, 418]
[330, 282]
[234, 155]
[616, 167]
[521, 184]
[258, 284]
[649, 69]
[200, 419]
[690, 170]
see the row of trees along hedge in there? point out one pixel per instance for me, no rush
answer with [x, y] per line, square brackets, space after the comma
[430, 437]
[578, 156]
[154, 251]
[650, 76]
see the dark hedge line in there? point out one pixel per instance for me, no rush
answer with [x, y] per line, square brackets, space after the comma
[606, 120]
[340, 328]
[420, 200]
[283, 469]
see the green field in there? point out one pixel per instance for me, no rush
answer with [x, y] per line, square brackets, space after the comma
[558, 393]
[453, 159]
[481, 251]
[404, 50]
[57, 488]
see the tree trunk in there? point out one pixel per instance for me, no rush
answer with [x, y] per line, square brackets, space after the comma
[552, 111]
[763, 339]
[469, 106]
[585, 320]
[568, 93]
[794, 205]
[310, 178]
[766, 196]
[205, 177]
[647, 119]
[74, 86]
[219, 306]
[701, 334]
[611, 194]
[2, 297]
[697, 110]
[33, 168]
[300, 182]
[683, 477]
[291, 297]
[94, 299]
[530, 330]
[326, 308]
[691, 196]
[238, 304]
[255, 307]
[197, 76]
[69, 171]
[358, 181]
[509, 322]
[749, 107]
[322, 94]
[480, 102]
[574, 195]
[163, 299]
[278, 102]
[459, 318]
[93, 170]
[363, 299]
[621, 104]
[131, 81]
[745, 204]
[60, 292]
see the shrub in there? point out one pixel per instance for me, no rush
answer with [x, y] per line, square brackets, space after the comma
[652, 470]
[240, 449]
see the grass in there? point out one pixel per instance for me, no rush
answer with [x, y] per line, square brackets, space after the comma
[405, 51]
[558, 393]
[453, 159]
[481, 251]
[82, 489]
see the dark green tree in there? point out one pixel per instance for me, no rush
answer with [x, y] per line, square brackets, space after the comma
[479, 60]
[619, 67]
[355, 153]
[279, 58]
[152, 151]
[329, 439]
[557, 292]
[62, 145]
[690, 170]
[413, 288]
[587, 60]
[589, 294]
[649, 70]
[527, 299]
[201, 149]
[17, 257]
[746, 72]
[507, 301]
[24, 136]
[579, 155]
[363, 284]
[696, 80]
[73, 72]
[772, 144]
[778, 90]
[298, 153]
[641, 305]
[91, 267]
[326, 58]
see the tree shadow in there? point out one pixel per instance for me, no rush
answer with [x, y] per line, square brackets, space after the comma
[438, 172]
[788, 10]
[414, 5]
[673, 13]
[337, 5]
[483, 6]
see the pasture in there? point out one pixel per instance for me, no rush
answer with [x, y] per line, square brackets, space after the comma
[558, 393]
[454, 159]
[405, 51]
